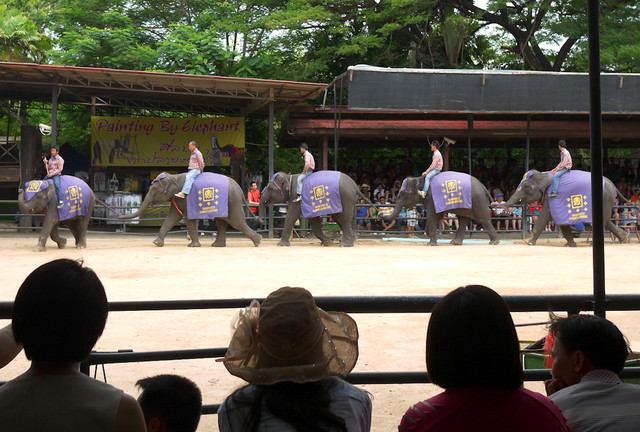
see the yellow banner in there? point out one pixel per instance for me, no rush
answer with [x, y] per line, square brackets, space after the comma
[164, 142]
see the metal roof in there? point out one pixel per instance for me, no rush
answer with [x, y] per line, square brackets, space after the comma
[151, 90]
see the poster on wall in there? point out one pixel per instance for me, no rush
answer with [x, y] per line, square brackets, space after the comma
[155, 141]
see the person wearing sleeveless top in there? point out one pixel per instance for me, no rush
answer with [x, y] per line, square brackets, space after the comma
[58, 320]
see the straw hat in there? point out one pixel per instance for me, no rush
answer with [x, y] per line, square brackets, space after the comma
[288, 338]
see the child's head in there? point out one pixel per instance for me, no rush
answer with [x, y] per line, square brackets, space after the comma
[60, 312]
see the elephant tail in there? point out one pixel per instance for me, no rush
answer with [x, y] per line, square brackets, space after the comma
[361, 195]
[107, 206]
[625, 198]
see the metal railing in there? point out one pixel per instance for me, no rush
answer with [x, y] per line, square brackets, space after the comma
[572, 304]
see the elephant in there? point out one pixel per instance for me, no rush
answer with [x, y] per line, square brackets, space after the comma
[533, 188]
[162, 190]
[282, 188]
[44, 200]
[479, 211]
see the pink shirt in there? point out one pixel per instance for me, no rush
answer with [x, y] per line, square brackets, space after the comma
[565, 160]
[55, 165]
[309, 162]
[436, 162]
[196, 161]
[484, 410]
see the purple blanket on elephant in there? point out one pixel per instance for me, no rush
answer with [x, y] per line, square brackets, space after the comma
[209, 197]
[573, 203]
[321, 194]
[451, 190]
[76, 195]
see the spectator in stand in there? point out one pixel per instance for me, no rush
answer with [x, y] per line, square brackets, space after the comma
[385, 210]
[500, 212]
[379, 190]
[58, 315]
[534, 210]
[474, 322]
[366, 190]
[362, 216]
[395, 190]
[563, 167]
[9, 348]
[412, 221]
[294, 366]
[588, 354]
[170, 403]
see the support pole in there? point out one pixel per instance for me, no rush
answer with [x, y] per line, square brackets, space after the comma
[595, 123]
[54, 115]
[271, 157]
[526, 163]
[469, 132]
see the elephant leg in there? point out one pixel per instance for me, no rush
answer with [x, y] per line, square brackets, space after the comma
[316, 229]
[543, 219]
[463, 223]
[83, 226]
[432, 228]
[172, 218]
[566, 233]
[246, 230]
[55, 236]
[346, 225]
[192, 229]
[221, 237]
[622, 235]
[293, 214]
[73, 227]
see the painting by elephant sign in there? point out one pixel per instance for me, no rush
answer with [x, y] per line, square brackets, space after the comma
[153, 142]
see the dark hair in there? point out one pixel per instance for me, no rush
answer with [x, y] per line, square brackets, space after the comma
[304, 146]
[55, 147]
[304, 406]
[60, 312]
[194, 142]
[473, 322]
[562, 143]
[173, 399]
[598, 338]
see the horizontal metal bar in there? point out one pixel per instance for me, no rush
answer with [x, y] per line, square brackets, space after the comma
[382, 304]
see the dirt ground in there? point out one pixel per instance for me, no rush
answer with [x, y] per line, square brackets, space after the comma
[132, 268]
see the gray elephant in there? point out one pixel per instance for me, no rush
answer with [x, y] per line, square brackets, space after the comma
[479, 207]
[39, 196]
[282, 189]
[164, 187]
[533, 188]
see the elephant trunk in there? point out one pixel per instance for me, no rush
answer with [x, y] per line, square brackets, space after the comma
[143, 207]
[396, 211]
[22, 204]
[262, 210]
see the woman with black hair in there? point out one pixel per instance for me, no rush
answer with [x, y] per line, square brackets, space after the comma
[473, 322]
[289, 351]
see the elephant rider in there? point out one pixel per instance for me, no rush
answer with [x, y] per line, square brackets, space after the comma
[434, 168]
[196, 166]
[309, 166]
[54, 170]
[563, 167]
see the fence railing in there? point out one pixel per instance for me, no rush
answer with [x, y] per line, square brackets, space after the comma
[571, 304]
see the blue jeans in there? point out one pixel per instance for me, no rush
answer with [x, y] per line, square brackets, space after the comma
[428, 178]
[56, 184]
[300, 178]
[188, 181]
[556, 179]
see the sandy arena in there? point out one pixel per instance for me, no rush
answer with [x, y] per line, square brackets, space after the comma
[132, 268]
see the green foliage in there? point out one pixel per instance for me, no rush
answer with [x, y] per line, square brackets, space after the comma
[20, 39]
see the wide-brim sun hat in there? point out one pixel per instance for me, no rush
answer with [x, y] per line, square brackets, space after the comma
[288, 338]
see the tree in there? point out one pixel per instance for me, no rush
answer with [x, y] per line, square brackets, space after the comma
[20, 40]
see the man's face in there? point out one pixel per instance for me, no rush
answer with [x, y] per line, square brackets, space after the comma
[302, 150]
[254, 186]
[192, 146]
[565, 365]
[54, 152]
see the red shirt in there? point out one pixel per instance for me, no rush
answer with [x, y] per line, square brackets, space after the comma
[253, 196]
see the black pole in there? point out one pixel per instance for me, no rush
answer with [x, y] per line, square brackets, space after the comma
[595, 123]
[469, 132]
[526, 164]
[271, 160]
